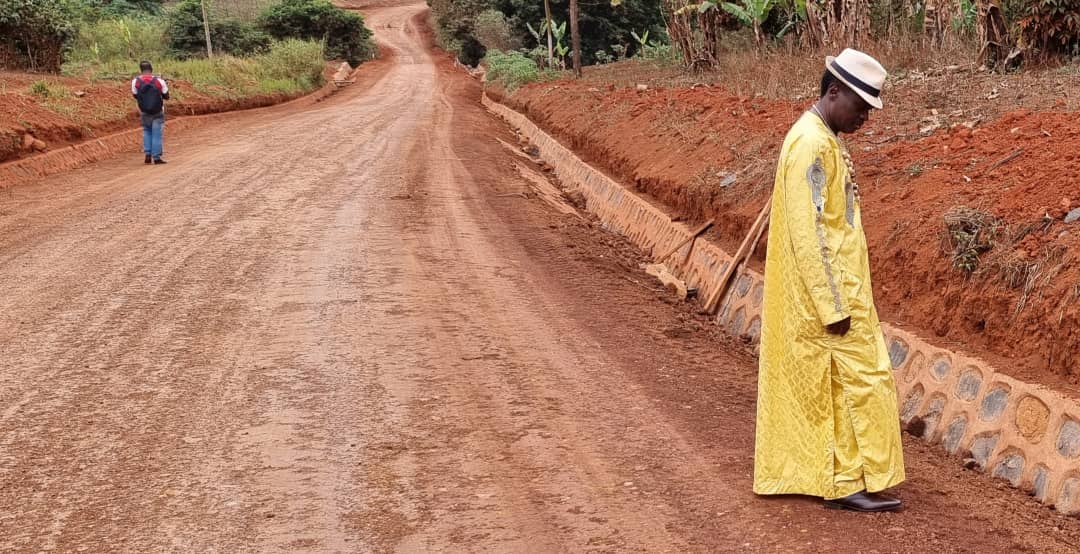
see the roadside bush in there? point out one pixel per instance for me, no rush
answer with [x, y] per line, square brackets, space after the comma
[239, 38]
[289, 66]
[342, 32]
[454, 24]
[294, 59]
[511, 69]
[34, 33]
[93, 10]
[1052, 27]
[48, 89]
[187, 38]
[494, 32]
[128, 39]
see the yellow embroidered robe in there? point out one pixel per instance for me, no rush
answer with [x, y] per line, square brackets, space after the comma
[827, 420]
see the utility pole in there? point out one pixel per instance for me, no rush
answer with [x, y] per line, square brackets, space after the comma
[551, 45]
[206, 28]
[575, 37]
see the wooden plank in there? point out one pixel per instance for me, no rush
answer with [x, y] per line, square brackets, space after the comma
[693, 235]
[736, 260]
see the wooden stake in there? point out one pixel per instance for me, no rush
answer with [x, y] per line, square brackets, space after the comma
[693, 235]
[754, 233]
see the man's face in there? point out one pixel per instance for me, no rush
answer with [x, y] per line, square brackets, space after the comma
[849, 109]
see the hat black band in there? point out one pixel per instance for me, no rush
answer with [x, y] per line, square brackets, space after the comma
[855, 81]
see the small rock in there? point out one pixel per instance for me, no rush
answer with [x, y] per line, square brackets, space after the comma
[642, 88]
[628, 484]
[39, 145]
[1072, 216]
[970, 463]
[80, 93]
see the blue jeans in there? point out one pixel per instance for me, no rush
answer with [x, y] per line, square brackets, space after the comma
[153, 130]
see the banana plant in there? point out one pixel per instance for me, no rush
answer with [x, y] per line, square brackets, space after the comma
[751, 13]
[557, 32]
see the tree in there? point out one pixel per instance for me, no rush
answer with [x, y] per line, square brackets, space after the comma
[34, 33]
[575, 37]
[344, 32]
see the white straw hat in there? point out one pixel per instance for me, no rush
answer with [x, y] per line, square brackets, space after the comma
[860, 73]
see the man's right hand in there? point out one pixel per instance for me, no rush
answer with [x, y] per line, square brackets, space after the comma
[840, 328]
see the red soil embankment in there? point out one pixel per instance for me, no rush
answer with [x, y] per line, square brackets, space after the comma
[707, 153]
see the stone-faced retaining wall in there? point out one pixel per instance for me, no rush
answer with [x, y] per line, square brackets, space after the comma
[1020, 432]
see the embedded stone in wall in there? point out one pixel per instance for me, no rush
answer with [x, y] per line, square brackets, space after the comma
[742, 286]
[1068, 440]
[915, 367]
[725, 308]
[911, 404]
[955, 434]
[737, 321]
[758, 295]
[1032, 418]
[898, 353]
[967, 388]
[1010, 468]
[994, 403]
[941, 368]
[1041, 483]
[754, 330]
[933, 416]
[983, 447]
[1066, 502]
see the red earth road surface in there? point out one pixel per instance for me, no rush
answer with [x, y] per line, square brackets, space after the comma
[344, 328]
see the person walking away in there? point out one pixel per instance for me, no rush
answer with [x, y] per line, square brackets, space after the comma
[827, 418]
[151, 92]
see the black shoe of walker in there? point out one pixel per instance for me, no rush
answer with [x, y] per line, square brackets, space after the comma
[148, 159]
[864, 502]
[159, 161]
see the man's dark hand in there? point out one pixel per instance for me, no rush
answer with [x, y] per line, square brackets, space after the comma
[840, 328]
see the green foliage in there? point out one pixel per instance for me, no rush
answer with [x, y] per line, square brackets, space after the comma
[93, 10]
[602, 57]
[601, 25]
[48, 89]
[1052, 26]
[33, 33]
[187, 38]
[964, 22]
[511, 69]
[342, 31]
[129, 39]
[294, 59]
[660, 53]
[493, 31]
[289, 66]
[455, 27]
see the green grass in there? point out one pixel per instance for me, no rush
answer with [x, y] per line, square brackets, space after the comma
[290, 66]
[48, 89]
[511, 69]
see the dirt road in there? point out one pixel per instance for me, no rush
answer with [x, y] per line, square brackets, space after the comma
[338, 329]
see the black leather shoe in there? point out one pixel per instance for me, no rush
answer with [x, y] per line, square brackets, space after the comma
[864, 502]
[148, 159]
[159, 161]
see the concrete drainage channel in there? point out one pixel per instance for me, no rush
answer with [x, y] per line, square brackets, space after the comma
[1019, 432]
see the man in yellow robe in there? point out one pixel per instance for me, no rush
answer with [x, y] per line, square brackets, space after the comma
[827, 420]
